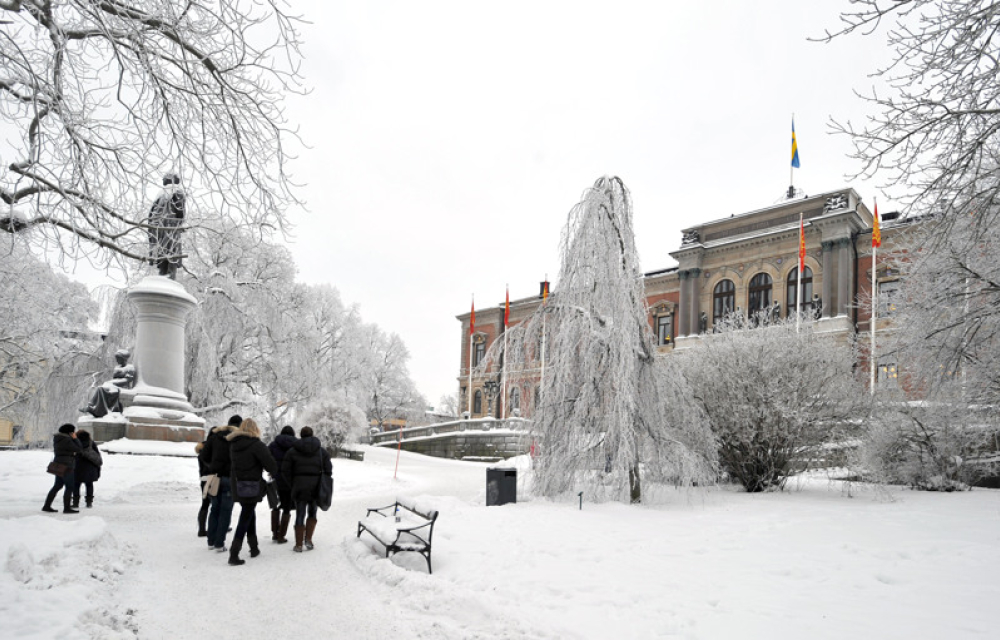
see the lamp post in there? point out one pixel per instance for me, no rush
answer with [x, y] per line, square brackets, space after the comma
[491, 386]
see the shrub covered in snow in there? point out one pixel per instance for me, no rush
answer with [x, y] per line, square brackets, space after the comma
[335, 424]
[927, 446]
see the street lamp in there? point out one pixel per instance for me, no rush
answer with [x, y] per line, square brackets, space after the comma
[491, 386]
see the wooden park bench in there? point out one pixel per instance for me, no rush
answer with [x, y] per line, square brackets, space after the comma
[412, 532]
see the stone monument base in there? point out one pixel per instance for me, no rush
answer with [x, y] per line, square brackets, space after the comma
[145, 423]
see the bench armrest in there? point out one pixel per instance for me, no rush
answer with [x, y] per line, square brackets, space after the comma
[379, 510]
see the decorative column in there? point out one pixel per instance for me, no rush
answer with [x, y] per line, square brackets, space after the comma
[694, 298]
[827, 247]
[160, 409]
[682, 306]
[844, 276]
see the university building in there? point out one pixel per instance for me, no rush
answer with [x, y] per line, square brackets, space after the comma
[745, 263]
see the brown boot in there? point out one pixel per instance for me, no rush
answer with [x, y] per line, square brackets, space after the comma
[310, 527]
[274, 525]
[300, 533]
[286, 517]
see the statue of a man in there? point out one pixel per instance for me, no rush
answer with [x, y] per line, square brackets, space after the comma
[107, 397]
[776, 311]
[817, 306]
[703, 322]
[165, 217]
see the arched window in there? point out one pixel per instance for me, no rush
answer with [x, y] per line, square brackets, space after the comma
[537, 397]
[807, 289]
[724, 300]
[515, 402]
[760, 293]
[477, 402]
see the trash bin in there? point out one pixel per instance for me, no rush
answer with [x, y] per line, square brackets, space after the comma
[501, 486]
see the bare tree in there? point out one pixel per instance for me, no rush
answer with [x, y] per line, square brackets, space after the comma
[610, 414]
[935, 130]
[99, 99]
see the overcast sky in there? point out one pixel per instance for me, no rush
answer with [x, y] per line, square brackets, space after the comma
[450, 139]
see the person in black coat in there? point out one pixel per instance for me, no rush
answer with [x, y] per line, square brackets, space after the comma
[66, 447]
[281, 515]
[88, 468]
[302, 467]
[215, 455]
[206, 500]
[250, 458]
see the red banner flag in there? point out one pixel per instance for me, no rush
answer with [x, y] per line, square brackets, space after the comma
[472, 319]
[506, 308]
[876, 232]
[802, 245]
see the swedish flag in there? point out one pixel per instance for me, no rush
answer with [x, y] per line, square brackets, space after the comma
[795, 147]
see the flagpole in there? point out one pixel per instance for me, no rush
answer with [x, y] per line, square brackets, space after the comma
[503, 370]
[472, 328]
[545, 299]
[791, 168]
[798, 286]
[874, 314]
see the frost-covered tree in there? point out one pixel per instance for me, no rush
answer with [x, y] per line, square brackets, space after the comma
[334, 423]
[936, 128]
[99, 99]
[772, 395]
[44, 325]
[611, 415]
[390, 392]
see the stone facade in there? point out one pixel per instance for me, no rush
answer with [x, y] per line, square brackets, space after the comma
[736, 263]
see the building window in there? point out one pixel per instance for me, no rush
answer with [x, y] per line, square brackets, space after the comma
[515, 402]
[887, 373]
[664, 329]
[477, 402]
[760, 294]
[793, 289]
[538, 397]
[480, 351]
[888, 293]
[724, 300]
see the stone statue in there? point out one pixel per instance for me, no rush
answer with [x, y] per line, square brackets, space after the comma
[107, 397]
[165, 217]
[775, 311]
[817, 306]
[703, 322]
[691, 237]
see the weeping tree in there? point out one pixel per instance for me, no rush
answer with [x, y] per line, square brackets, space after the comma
[610, 413]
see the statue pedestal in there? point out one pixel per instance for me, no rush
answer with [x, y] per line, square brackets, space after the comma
[159, 408]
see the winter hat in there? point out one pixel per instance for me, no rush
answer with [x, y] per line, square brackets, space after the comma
[235, 420]
[67, 428]
[287, 431]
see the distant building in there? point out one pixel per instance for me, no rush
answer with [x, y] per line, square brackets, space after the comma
[747, 263]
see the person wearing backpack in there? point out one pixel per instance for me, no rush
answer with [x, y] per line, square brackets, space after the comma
[302, 468]
[88, 468]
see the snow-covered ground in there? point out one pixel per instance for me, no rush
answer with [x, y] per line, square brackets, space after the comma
[811, 562]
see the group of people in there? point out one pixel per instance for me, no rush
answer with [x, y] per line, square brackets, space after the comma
[232, 462]
[77, 462]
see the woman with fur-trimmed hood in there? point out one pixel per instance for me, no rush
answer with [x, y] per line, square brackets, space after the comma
[250, 458]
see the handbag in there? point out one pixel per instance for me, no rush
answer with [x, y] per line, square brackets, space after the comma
[250, 489]
[57, 468]
[272, 494]
[325, 497]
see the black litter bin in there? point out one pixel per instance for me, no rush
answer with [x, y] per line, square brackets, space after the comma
[501, 486]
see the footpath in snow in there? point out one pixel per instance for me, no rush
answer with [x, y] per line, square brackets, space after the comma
[810, 562]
